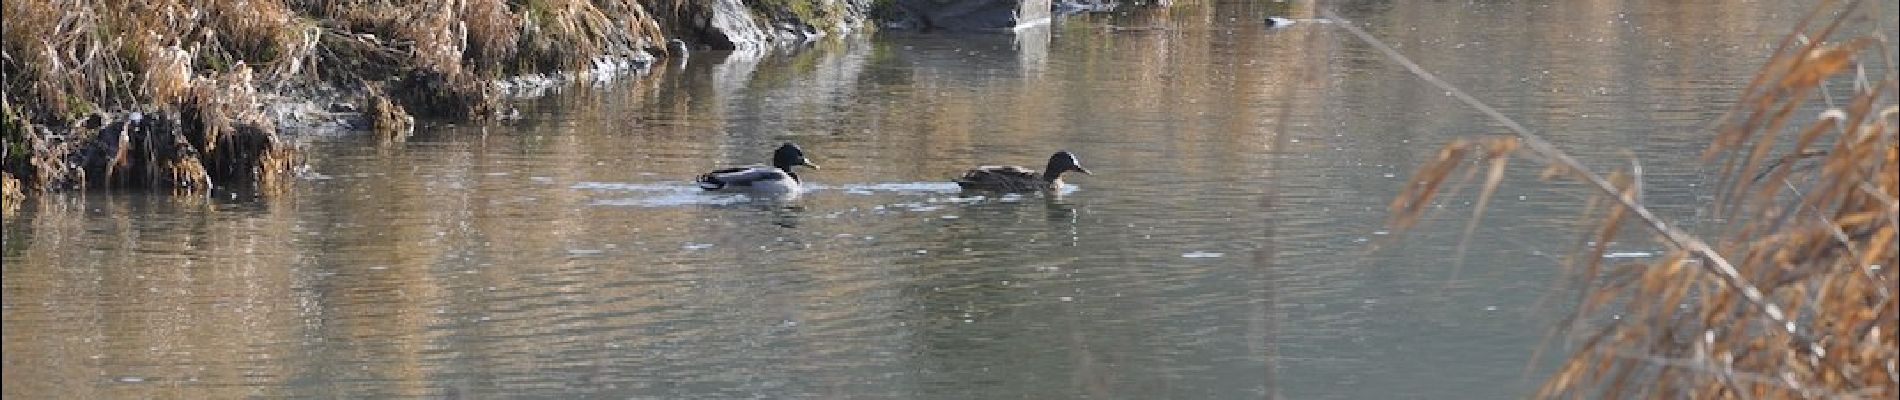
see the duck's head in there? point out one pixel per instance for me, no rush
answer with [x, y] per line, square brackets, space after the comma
[1061, 162]
[789, 156]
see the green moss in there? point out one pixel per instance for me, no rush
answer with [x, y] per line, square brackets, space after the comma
[77, 106]
[539, 12]
[269, 51]
[13, 129]
[819, 16]
[133, 52]
[214, 61]
[885, 10]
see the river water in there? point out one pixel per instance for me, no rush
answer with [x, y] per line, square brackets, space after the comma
[1230, 243]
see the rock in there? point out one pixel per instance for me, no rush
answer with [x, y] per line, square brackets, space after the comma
[753, 26]
[154, 152]
[1066, 7]
[253, 153]
[143, 150]
[455, 96]
[95, 120]
[49, 164]
[726, 25]
[976, 15]
[676, 48]
[388, 119]
[603, 69]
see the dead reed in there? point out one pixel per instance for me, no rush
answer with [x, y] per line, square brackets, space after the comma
[214, 63]
[1791, 295]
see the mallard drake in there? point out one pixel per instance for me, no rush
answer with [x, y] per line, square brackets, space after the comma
[777, 177]
[1013, 178]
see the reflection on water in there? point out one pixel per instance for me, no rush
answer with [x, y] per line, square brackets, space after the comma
[1220, 250]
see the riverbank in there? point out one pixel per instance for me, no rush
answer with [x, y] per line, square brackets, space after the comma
[191, 96]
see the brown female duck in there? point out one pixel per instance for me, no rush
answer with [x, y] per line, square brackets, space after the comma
[1011, 178]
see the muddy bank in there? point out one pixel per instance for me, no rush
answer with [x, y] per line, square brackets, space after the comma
[193, 96]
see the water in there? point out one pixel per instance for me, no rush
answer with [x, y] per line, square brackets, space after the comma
[1229, 245]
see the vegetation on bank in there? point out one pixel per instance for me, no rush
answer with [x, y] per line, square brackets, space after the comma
[1789, 293]
[821, 16]
[208, 79]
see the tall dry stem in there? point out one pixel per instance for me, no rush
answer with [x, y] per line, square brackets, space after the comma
[1792, 296]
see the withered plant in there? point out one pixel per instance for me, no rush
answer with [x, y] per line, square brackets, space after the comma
[1788, 294]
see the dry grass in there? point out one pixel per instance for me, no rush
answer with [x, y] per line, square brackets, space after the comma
[10, 194]
[1792, 295]
[210, 63]
[571, 33]
[188, 65]
[70, 57]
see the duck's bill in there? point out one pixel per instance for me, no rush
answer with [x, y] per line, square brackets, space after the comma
[809, 164]
[1084, 171]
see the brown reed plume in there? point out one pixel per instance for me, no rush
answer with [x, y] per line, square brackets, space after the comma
[1791, 296]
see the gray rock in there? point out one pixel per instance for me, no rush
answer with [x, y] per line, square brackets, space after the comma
[727, 25]
[1066, 7]
[976, 15]
[676, 48]
[757, 28]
